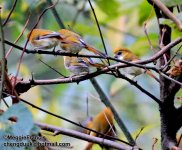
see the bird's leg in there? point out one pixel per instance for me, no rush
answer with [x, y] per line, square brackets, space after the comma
[36, 49]
[77, 54]
[53, 50]
[71, 77]
[117, 71]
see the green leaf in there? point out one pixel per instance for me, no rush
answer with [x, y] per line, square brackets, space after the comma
[24, 118]
[110, 8]
[172, 24]
[144, 16]
[22, 127]
[170, 3]
[166, 22]
[141, 46]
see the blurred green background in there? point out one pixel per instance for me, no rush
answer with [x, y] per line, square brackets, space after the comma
[121, 23]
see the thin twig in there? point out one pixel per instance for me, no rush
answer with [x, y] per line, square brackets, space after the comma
[140, 88]
[111, 126]
[11, 11]
[3, 63]
[139, 133]
[11, 48]
[145, 29]
[98, 26]
[52, 68]
[154, 142]
[171, 59]
[5, 103]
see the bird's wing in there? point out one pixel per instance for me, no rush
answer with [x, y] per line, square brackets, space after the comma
[50, 35]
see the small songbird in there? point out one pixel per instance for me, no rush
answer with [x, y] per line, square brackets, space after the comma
[72, 42]
[127, 55]
[80, 65]
[43, 39]
[103, 123]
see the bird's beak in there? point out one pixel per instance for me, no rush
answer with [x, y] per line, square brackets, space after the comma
[115, 56]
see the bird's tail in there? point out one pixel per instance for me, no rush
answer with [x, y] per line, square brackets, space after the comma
[152, 75]
[90, 144]
[90, 62]
[90, 48]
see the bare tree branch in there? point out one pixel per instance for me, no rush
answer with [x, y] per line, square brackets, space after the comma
[70, 121]
[11, 48]
[83, 136]
[149, 60]
[168, 13]
[2, 61]
[140, 88]
[100, 32]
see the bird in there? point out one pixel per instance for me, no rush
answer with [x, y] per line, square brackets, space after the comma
[43, 39]
[103, 123]
[73, 43]
[80, 65]
[127, 55]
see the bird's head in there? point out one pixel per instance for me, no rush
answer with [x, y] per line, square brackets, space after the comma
[124, 54]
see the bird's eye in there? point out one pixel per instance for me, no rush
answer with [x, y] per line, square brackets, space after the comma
[119, 53]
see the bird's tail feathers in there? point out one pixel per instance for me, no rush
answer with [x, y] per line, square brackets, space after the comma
[90, 48]
[90, 62]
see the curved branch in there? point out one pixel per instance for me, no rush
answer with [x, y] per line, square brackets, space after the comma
[140, 88]
[168, 13]
[83, 136]
[136, 63]
[70, 121]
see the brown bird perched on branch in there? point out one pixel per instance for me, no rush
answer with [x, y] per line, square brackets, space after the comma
[73, 43]
[103, 122]
[127, 55]
[43, 39]
[80, 65]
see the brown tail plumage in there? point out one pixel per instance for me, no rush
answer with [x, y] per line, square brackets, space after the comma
[152, 75]
[90, 48]
[90, 144]
[91, 63]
